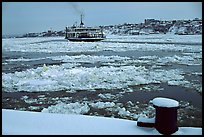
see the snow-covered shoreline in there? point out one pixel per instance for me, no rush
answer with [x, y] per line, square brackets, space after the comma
[36, 123]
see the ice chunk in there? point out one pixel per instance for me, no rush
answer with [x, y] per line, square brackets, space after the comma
[106, 96]
[102, 104]
[123, 112]
[71, 108]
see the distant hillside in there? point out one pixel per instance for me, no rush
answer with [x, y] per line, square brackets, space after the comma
[150, 26]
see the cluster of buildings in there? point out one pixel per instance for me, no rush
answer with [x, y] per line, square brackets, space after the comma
[48, 33]
[153, 26]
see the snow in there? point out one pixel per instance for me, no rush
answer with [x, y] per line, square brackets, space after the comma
[165, 102]
[146, 120]
[37, 123]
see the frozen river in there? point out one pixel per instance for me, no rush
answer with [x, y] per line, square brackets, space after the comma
[116, 77]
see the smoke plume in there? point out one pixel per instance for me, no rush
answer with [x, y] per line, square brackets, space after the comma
[76, 8]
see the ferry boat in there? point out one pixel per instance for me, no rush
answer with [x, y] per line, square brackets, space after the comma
[82, 33]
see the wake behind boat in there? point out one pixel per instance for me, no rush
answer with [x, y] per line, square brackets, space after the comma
[82, 33]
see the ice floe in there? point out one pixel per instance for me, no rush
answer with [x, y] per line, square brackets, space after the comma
[84, 107]
[72, 108]
[39, 45]
[102, 104]
[56, 78]
[157, 38]
[68, 76]
[106, 96]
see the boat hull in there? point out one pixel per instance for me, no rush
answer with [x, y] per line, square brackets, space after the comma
[86, 39]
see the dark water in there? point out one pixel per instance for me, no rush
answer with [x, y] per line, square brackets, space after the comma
[174, 92]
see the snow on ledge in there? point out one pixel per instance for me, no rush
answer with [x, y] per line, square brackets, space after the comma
[38, 123]
[146, 120]
[165, 102]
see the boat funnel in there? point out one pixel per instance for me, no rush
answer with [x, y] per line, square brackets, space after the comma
[81, 24]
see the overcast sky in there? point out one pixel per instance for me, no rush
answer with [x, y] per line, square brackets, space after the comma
[24, 17]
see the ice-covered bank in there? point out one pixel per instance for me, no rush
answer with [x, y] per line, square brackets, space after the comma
[25, 122]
